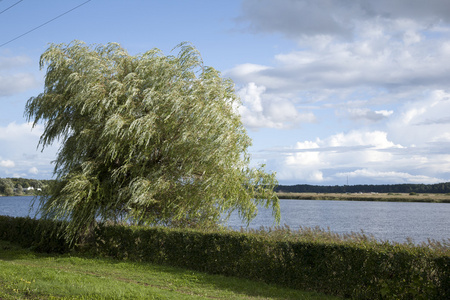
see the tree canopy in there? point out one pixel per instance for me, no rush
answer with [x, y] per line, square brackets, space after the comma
[443, 187]
[10, 186]
[149, 138]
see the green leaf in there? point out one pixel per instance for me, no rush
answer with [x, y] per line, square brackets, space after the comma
[151, 138]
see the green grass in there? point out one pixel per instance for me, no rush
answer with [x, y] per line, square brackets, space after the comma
[28, 275]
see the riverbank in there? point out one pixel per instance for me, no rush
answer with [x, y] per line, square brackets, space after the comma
[28, 275]
[386, 197]
[353, 266]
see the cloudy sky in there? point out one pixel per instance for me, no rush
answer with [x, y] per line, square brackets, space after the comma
[332, 90]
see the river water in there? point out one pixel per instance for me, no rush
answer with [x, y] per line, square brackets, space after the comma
[393, 221]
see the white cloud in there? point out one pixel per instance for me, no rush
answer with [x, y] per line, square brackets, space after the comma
[14, 131]
[380, 66]
[16, 83]
[246, 69]
[33, 171]
[7, 63]
[12, 79]
[260, 110]
[366, 157]
[411, 37]
[341, 150]
[423, 121]
[365, 114]
[19, 144]
[376, 63]
[296, 19]
[374, 139]
[388, 176]
[392, 47]
[292, 18]
[7, 163]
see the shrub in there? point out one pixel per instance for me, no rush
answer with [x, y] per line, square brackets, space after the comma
[354, 266]
[41, 235]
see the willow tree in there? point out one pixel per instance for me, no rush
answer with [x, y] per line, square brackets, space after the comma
[150, 138]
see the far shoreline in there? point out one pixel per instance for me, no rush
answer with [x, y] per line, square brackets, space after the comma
[376, 197]
[380, 197]
[23, 195]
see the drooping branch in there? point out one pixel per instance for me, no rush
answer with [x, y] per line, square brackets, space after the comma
[155, 138]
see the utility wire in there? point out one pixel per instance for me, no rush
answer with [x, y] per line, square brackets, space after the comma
[10, 6]
[43, 24]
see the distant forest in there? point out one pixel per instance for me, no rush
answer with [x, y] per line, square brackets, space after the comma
[21, 186]
[440, 188]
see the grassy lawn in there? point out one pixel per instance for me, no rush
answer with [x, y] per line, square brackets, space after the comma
[28, 275]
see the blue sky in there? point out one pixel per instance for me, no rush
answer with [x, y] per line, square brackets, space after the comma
[331, 89]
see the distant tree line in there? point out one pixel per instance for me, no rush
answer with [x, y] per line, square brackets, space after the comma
[21, 186]
[442, 188]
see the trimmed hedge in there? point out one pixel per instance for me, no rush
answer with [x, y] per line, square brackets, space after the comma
[356, 269]
[40, 235]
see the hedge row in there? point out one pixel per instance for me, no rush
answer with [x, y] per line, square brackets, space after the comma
[40, 235]
[359, 270]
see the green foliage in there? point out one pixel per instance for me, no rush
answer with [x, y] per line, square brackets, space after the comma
[30, 275]
[41, 235]
[19, 190]
[150, 138]
[8, 191]
[440, 188]
[353, 266]
[11, 186]
[6, 187]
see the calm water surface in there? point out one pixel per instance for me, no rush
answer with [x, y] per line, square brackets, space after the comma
[18, 206]
[394, 221]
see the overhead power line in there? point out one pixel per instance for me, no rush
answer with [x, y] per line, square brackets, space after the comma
[10, 7]
[43, 24]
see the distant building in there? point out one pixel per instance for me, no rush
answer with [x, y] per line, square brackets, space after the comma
[30, 188]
